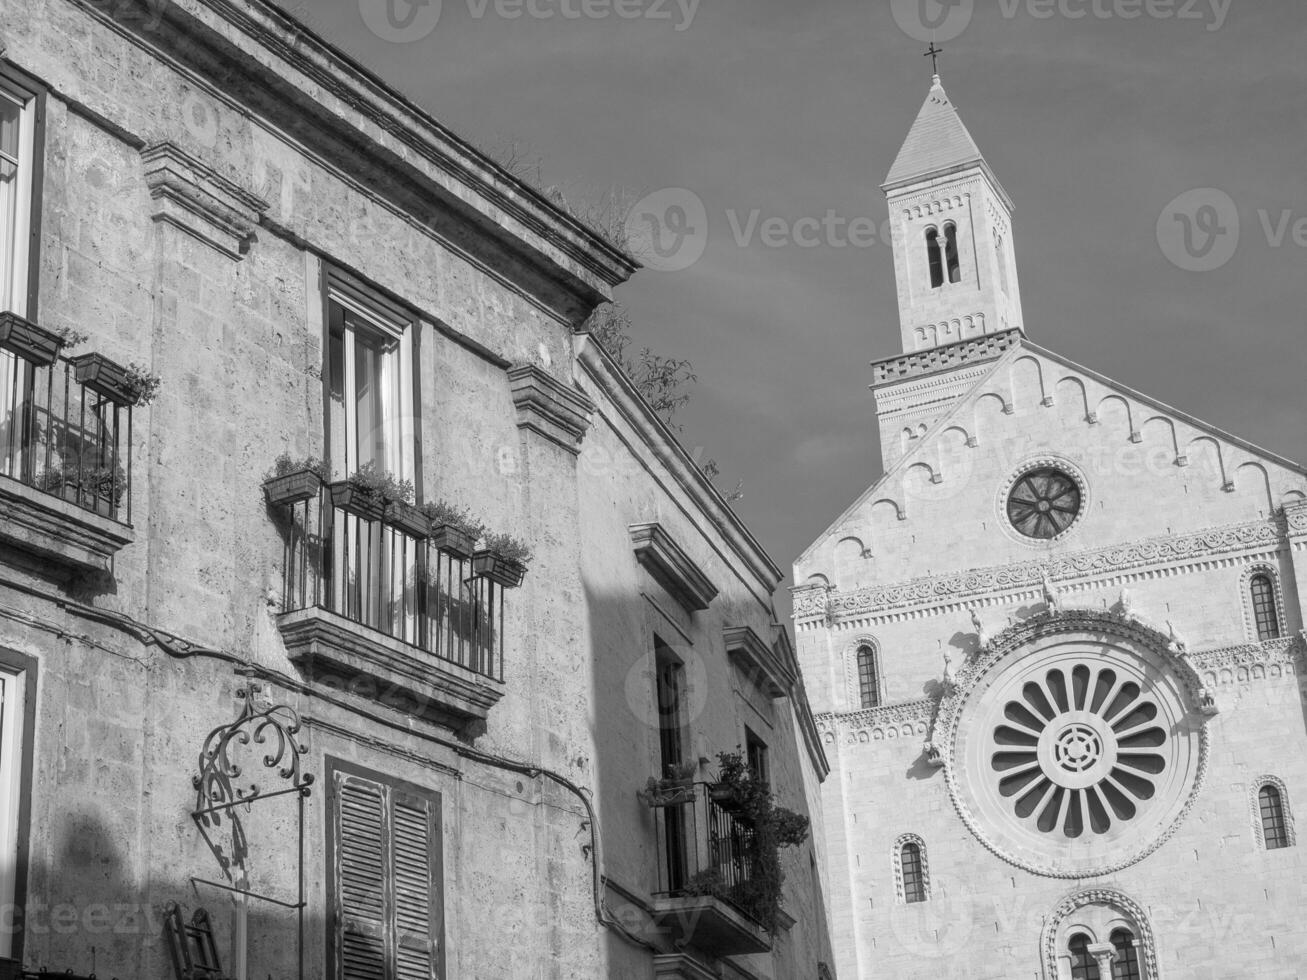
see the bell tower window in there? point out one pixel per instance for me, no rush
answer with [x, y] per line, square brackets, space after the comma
[951, 252]
[935, 258]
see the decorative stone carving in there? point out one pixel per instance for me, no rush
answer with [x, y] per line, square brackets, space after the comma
[1175, 642]
[949, 680]
[1051, 599]
[883, 723]
[1255, 804]
[194, 197]
[1125, 602]
[896, 859]
[982, 638]
[1109, 898]
[550, 408]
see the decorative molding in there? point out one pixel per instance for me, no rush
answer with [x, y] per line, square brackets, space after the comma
[1109, 898]
[550, 408]
[1056, 461]
[1295, 517]
[853, 678]
[988, 347]
[1250, 661]
[1246, 599]
[938, 590]
[896, 859]
[903, 720]
[1254, 801]
[681, 966]
[195, 198]
[59, 531]
[671, 567]
[758, 661]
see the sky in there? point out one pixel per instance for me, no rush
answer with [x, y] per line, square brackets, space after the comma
[1096, 115]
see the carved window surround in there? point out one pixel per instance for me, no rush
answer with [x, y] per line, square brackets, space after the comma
[671, 567]
[1254, 804]
[331, 648]
[194, 197]
[550, 408]
[759, 662]
[57, 530]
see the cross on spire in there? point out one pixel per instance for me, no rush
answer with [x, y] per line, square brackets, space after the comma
[933, 54]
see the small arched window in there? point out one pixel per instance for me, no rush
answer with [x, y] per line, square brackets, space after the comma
[1083, 966]
[951, 252]
[914, 875]
[868, 682]
[1265, 613]
[1000, 260]
[934, 258]
[1126, 964]
[1275, 831]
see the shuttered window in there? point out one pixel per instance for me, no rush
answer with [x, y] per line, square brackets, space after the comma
[388, 917]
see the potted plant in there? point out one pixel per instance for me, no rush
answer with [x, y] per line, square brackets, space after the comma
[368, 490]
[131, 385]
[503, 560]
[95, 488]
[34, 344]
[674, 788]
[403, 515]
[453, 529]
[291, 480]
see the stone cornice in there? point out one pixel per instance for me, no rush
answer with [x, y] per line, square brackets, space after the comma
[941, 590]
[58, 531]
[917, 364]
[550, 408]
[671, 567]
[765, 666]
[198, 200]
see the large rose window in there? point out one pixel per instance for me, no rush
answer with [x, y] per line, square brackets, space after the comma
[1074, 746]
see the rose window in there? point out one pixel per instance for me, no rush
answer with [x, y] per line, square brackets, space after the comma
[1078, 750]
[1043, 503]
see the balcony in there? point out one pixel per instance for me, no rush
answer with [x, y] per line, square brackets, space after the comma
[708, 887]
[371, 604]
[65, 458]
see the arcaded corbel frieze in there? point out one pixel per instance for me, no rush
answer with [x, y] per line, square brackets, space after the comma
[192, 196]
[1295, 519]
[550, 408]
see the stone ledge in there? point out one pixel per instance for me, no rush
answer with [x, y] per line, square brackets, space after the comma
[917, 364]
[54, 529]
[199, 201]
[550, 408]
[672, 567]
[325, 645]
[711, 925]
[760, 661]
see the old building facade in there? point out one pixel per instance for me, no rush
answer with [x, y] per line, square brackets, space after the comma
[364, 745]
[1055, 650]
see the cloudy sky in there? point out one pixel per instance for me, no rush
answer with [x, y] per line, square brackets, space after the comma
[1095, 114]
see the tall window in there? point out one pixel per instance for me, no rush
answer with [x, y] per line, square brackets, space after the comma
[1000, 260]
[759, 767]
[934, 258]
[1083, 966]
[387, 913]
[1126, 964]
[1264, 611]
[868, 682]
[914, 877]
[15, 730]
[1274, 831]
[670, 692]
[951, 252]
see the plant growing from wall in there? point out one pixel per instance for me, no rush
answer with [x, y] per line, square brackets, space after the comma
[757, 892]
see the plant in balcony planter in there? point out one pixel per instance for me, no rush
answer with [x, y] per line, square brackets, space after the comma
[131, 385]
[403, 515]
[453, 529]
[503, 560]
[34, 344]
[97, 488]
[675, 787]
[293, 480]
[368, 490]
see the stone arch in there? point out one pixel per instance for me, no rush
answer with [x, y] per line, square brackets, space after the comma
[1166, 429]
[1254, 802]
[849, 553]
[1253, 478]
[1246, 598]
[1292, 497]
[1205, 452]
[1114, 411]
[879, 508]
[852, 680]
[1097, 912]
[1028, 375]
[1074, 399]
[989, 410]
[896, 857]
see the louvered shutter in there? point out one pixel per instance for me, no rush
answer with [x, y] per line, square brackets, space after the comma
[417, 896]
[361, 861]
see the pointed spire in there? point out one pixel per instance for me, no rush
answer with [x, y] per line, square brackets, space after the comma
[937, 141]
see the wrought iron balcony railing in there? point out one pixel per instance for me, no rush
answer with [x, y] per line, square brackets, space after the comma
[391, 578]
[705, 847]
[65, 437]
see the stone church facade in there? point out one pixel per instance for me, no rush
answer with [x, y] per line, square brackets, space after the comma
[1055, 650]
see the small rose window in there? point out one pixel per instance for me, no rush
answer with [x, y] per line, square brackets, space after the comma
[1043, 503]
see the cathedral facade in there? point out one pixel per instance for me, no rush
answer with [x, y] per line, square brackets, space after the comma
[1055, 650]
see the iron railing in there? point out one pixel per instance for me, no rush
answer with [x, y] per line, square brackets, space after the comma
[388, 579]
[705, 847]
[63, 438]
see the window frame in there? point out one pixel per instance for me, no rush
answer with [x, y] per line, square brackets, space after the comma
[901, 844]
[30, 93]
[854, 673]
[934, 258]
[1259, 786]
[394, 785]
[1127, 958]
[1270, 599]
[757, 756]
[16, 771]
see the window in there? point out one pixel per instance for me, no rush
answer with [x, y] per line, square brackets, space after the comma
[1275, 831]
[386, 907]
[1126, 964]
[934, 258]
[1264, 611]
[17, 713]
[759, 768]
[1000, 261]
[671, 693]
[1043, 503]
[951, 252]
[1083, 966]
[914, 875]
[868, 682]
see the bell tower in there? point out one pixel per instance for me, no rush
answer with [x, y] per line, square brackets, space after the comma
[952, 231]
